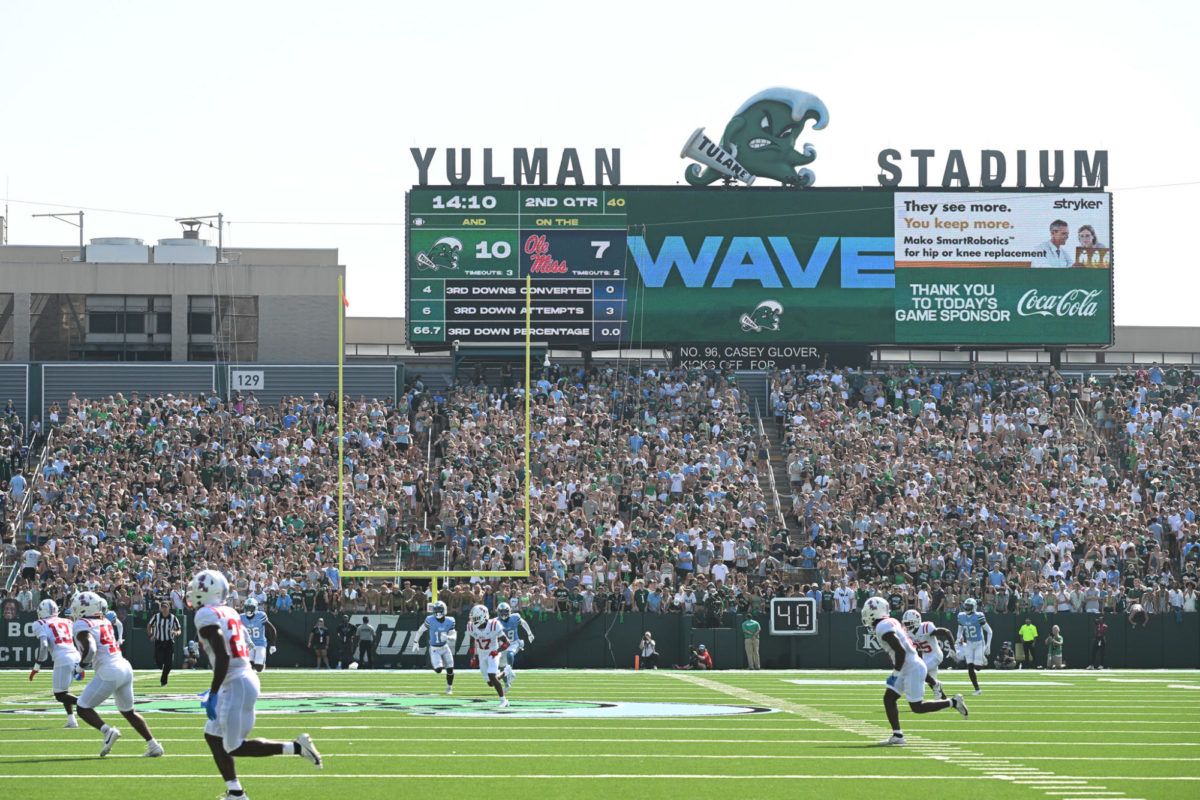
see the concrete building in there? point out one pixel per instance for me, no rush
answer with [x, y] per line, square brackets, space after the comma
[123, 300]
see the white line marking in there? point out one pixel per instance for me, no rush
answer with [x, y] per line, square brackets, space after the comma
[442, 776]
[947, 753]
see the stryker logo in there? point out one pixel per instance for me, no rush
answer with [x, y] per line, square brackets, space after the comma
[1074, 303]
[1077, 205]
[866, 262]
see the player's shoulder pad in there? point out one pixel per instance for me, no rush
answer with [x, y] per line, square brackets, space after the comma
[206, 616]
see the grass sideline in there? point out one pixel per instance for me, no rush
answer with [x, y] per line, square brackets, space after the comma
[1114, 735]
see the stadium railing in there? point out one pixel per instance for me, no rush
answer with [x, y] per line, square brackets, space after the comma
[23, 509]
[770, 469]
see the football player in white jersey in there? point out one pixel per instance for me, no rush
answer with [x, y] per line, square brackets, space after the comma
[908, 670]
[442, 636]
[54, 641]
[112, 675]
[234, 690]
[926, 636]
[487, 643]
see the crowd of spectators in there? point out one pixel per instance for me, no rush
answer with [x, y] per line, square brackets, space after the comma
[1028, 490]
[649, 493]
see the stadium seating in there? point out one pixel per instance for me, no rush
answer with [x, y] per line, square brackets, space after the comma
[1029, 490]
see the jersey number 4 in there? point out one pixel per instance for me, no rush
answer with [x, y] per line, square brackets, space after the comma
[106, 639]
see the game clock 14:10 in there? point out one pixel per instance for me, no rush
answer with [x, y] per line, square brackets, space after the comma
[470, 254]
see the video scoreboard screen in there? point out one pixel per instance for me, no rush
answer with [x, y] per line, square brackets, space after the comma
[470, 253]
[747, 275]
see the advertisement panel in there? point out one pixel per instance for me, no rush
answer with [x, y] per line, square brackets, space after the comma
[672, 266]
[976, 268]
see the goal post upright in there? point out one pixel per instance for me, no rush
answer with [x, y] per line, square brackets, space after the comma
[433, 576]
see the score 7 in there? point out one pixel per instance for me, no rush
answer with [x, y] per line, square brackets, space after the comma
[601, 246]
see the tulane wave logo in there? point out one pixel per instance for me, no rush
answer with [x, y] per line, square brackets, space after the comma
[760, 141]
[417, 704]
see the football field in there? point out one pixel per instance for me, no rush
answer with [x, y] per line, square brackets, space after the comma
[608, 734]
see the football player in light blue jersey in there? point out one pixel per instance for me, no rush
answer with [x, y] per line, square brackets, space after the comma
[442, 637]
[513, 622]
[973, 644]
[118, 626]
[261, 632]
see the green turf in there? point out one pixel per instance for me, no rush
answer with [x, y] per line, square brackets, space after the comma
[1055, 736]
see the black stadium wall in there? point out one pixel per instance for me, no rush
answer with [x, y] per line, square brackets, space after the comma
[610, 640]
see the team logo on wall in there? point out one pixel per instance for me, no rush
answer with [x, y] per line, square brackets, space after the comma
[866, 641]
[760, 141]
[764, 317]
[443, 255]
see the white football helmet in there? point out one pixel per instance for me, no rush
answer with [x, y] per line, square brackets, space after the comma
[89, 604]
[911, 620]
[439, 610]
[875, 609]
[503, 610]
[47, 609]
[480, 616]
[250, 607]
[969, 605]
[207, 588]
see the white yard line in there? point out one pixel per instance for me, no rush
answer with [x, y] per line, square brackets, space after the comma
[917, 742]
[948, 753]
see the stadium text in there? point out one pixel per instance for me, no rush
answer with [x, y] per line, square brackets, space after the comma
[530, 167]
[1091, 169]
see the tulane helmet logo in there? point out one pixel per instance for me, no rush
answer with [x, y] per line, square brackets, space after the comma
[760, 141]
[443, 254]
[764, 317]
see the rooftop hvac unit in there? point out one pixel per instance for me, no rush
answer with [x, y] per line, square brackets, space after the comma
[117, 250]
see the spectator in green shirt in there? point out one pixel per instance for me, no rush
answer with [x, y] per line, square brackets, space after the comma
[1054, 645]
[751, 630]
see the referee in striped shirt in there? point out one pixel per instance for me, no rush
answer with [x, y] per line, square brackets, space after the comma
[162, 629]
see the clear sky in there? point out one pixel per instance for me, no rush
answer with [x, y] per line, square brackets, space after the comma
[303, 112]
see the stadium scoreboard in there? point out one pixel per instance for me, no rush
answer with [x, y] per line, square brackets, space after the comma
[470, 254]
[793, 616]
[759, 268]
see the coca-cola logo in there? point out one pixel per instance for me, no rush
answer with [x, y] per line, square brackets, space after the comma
[1072, 303]
[538, 249]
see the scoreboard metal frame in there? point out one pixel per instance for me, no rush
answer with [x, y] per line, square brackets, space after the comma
[470, 251]
[793, 616]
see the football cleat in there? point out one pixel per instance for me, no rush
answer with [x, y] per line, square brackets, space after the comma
[503, 703]
[71, 722]
[153, 749]
[110, 739]
[449, 690]
[977, 692]
[894, 739]
[232, 796]
[959, 704]
[308, 750]
[939, 691]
